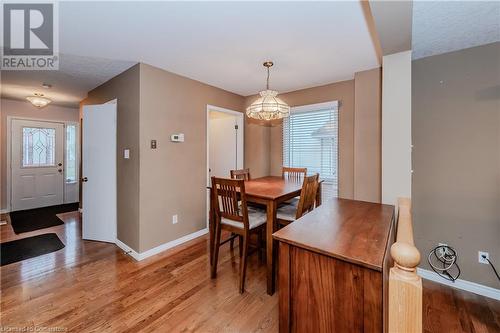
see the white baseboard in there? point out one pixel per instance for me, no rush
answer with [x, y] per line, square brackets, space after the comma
[4, 211]
[127, 249]
[475, 288]
[143, 255]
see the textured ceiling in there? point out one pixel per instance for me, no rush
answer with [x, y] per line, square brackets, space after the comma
[219, 43]
[225, 43]
[445, 26]
[76, 76]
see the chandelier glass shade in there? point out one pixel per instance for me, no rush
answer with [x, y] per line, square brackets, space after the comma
[38, 100]
[268, 106]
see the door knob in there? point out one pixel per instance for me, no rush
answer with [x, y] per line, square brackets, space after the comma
[85, 179]
[59, 164]
[60, 170]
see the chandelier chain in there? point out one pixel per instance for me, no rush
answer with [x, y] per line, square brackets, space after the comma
[267, 84]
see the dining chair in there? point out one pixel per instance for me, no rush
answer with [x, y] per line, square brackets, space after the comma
[233, 214]
[293, 173]
[240, 174]
[290, 212]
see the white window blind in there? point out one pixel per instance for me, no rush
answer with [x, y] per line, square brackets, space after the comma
[310, 140]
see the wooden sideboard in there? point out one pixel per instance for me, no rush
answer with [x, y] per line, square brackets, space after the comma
[333, 268]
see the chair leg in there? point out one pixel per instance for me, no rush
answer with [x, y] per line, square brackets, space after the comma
[243, 262]
[212, 236]
[240, 244]
[216, 250]
[231, 242]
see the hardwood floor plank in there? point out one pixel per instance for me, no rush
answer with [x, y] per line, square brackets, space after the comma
[94, 287]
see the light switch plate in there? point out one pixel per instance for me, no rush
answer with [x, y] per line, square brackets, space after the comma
[126, 153]
[177, 137]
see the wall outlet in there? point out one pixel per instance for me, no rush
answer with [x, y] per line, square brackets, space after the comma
[482, 256]
[174, 219]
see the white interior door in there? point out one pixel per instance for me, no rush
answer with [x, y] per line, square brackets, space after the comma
[37, 156]
[225, 143]
[99, 172]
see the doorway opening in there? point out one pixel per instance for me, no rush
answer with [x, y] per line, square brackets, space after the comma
[225, 143]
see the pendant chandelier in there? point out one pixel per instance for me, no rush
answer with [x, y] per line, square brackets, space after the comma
[268, 106]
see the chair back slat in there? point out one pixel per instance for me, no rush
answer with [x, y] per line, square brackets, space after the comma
[293, 173]
[240, 174]
[228, 194]
[307, 195]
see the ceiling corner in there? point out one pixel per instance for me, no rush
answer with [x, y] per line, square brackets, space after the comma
[393, 22]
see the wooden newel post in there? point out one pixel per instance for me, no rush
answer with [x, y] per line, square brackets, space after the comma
[405, 286]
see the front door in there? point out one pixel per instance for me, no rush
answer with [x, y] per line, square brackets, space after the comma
[37, 155]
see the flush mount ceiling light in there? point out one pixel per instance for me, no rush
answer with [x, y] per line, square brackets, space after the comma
[38, 100]
[268, 106]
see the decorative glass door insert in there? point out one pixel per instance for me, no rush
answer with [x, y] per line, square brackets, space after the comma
[38, 147]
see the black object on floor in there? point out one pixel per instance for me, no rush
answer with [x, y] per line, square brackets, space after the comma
[30, 247]
[39, 218]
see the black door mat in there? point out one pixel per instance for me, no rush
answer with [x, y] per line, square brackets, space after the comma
[39, 218]
[22, 249]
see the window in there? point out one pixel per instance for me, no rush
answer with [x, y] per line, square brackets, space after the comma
[70, 153]
[310, 140]
[38, 147]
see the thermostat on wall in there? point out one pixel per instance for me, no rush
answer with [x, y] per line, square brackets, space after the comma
[177, 137]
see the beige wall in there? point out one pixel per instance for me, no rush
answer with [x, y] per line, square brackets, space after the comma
[173, 177]
[367, 135]
[24, 109]
[456, 156]
[257, 144]
[125, 88]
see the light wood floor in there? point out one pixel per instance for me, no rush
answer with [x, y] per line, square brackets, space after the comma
[91, 286]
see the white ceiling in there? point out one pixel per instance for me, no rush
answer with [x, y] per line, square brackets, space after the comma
[76, 76]
[445, 26]
[222, 44]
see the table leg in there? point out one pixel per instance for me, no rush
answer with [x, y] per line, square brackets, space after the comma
[270, 248]
[319, 195]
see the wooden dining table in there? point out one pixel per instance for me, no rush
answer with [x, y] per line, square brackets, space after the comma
[270, 192]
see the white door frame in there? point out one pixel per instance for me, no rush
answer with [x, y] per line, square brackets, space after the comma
[228, 111]
[9, 151]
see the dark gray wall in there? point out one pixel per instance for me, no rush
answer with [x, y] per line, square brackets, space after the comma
[456, 156]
